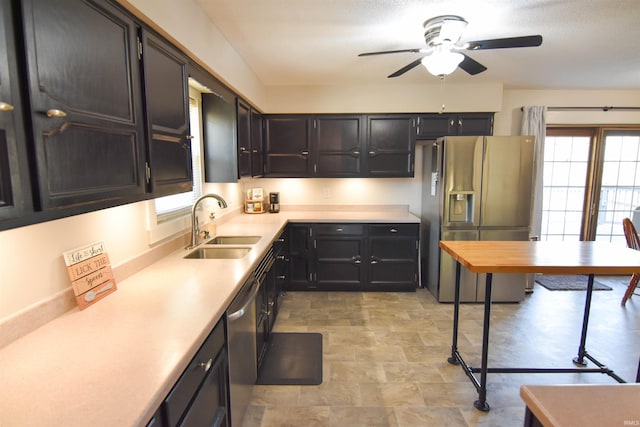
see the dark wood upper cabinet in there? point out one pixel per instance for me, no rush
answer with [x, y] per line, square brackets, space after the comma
[432, 126]
[338, 145]
[167, 106]
[391, 144]
[287, 146]
[244, 139]
[84, 87]
[257, 151]
[14, 179]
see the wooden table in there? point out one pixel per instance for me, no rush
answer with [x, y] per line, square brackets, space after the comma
[581, 405]
[570, 258]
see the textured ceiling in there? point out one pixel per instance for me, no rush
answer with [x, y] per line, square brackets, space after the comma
[588, 44]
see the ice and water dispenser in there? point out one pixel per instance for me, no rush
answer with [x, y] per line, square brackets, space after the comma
[461, 207]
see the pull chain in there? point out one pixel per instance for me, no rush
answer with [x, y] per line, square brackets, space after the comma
[442, 94]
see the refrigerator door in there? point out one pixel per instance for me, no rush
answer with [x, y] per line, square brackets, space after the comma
[505, 287]
[462, 181]
[448, 271]
[507, 175]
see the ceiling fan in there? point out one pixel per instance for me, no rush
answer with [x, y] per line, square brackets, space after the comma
[442, 54]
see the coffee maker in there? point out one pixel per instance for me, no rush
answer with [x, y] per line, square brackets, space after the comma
[274, 202]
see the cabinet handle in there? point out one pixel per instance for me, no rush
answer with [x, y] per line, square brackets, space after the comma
[56, 113]
[374, 260]
[304, 153]
[459, 122]
[282, 277]
[372, 153]
[452, 122]
[280, 257]
[5, 107]
[356, 260]
[281, 240]
[254, 151]
[190, 137]
[339, 230]
[206, 366]
[394, 230]
[242, 149]
[356, 153]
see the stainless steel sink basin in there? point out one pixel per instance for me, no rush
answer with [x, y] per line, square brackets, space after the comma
[217, 253]
[234, 240]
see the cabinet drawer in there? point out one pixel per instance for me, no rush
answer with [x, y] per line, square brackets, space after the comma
[338, 229]
[394, 230]
[182, 393]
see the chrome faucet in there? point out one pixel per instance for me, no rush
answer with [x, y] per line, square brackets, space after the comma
[195, 229]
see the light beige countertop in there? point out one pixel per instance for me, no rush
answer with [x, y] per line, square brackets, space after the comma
[113, 363]
[584, 404]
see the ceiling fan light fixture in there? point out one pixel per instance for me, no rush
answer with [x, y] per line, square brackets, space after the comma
[442, 62]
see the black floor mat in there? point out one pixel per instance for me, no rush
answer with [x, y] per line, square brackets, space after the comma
[569, 283]
[293, 358]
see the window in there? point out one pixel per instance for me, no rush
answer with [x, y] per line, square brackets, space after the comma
[170, 207]
[591, 182]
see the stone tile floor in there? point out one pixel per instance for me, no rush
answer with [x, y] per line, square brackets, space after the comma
[385, 354]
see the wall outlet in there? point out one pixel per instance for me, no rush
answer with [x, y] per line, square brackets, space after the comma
[326, 193]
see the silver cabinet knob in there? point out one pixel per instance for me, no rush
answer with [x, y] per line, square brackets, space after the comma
[54, 112]
[5, 106]
[206, 366]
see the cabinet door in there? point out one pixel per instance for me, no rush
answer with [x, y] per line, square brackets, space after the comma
[167, 100]
[393, 257]
[301, 266]
[432, 126]
[339, 250]
[287, 146]
[257, 157]
[390, 146]
[84, 86]
[210, 406]
[474, 124]
[244, 139]
[14, 180]
[338, 144]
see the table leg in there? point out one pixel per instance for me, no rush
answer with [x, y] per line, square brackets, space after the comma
[579, 360]
[481, 403]
[453, 359]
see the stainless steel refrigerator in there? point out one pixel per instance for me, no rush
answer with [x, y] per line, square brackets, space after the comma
[474, 188]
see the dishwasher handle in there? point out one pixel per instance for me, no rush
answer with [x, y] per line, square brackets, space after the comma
[250, 299]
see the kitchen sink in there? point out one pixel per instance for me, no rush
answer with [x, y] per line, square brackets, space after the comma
[217, 253]
[234, 240]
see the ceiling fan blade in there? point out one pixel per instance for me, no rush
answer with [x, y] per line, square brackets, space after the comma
[406, 68]
[384, 52]
[471, 66]
[509, 42]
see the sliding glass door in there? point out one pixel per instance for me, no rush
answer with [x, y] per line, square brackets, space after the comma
[619, 188]
[591, 182]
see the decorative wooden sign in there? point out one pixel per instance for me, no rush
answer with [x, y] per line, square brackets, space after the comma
[90, 273]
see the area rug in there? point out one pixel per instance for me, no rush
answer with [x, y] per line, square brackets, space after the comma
[292, 358]
[568, 283]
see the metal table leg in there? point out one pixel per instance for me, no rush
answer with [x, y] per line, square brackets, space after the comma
[453, 359]
[481, 403]
[579, 360]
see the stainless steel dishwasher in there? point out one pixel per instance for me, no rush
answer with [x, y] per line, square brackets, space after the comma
[241, 333]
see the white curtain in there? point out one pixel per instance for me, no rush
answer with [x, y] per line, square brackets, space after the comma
[534, 123]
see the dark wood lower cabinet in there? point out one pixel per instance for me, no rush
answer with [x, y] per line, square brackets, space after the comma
[353, 257]
[339, 249]
[200, 397]
[393, 254]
